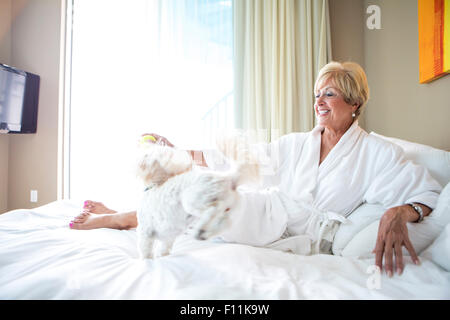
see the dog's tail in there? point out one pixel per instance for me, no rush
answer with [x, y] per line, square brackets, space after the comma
[244, 164]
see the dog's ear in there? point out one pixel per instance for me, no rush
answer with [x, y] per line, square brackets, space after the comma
[151, 171]
[142, 165]
[158, 163]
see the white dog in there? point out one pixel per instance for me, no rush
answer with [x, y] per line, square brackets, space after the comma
[179, 196]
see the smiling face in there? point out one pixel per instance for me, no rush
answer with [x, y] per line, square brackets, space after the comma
[331, 110]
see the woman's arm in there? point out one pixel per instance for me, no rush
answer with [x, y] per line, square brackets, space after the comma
[393, 235]
[197, 156]
[398, 181]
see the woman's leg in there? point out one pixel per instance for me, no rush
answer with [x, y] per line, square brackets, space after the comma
[87, 220]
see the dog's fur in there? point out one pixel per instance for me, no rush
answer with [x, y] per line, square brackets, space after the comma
[180, 197]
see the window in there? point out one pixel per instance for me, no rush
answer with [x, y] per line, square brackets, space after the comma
[144, 66]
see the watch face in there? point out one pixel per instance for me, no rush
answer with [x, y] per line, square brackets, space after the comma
[419, 211]
[418, 208]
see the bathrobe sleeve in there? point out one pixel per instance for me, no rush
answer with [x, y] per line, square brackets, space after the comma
[258, 220]
[396, 181]
[259, 217]
[270, 156]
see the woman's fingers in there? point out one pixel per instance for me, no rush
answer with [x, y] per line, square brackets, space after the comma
[392, 236]
[159, 139]
[398, 257]
[150, 134]
[411, 251]
[390, 249]
[385, 250]
[379, 250]
[165, 142]
[388, 258]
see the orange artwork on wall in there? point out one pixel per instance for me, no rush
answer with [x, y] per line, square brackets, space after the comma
[434, 39]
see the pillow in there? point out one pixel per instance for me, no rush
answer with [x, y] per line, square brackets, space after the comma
[363, 222]
[363, 242]
[435, 160]
[360, 218]
[438, 251]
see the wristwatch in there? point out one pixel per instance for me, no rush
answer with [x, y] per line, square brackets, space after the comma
[418, 210]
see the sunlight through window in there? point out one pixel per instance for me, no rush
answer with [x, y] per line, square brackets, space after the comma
[144, 66]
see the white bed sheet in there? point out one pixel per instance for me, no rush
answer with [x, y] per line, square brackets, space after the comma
[42, 258]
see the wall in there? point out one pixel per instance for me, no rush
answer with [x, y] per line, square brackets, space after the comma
[347, 36]
[346, 25]
[5, 57]
[35, 39]
[399, 106]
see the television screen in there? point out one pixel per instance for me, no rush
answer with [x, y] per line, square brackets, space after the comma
[12, 92]
[19, 95]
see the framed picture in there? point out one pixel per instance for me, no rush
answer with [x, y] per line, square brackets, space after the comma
[434, 39]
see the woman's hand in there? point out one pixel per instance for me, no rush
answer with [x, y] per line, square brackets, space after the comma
[159, 139]
[197, 156]
[392, 235]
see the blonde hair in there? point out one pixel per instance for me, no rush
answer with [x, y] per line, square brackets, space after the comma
[350, 79]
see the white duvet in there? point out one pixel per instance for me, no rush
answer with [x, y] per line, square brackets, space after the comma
[42, 258]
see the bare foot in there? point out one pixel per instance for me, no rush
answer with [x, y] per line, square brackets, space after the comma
[97, 207]
[86, 221]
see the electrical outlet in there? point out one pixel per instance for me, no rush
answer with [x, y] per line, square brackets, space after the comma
[33, 196]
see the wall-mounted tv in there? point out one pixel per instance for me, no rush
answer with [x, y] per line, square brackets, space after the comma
[19, 99]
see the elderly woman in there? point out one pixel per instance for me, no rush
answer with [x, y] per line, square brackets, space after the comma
[320, 178]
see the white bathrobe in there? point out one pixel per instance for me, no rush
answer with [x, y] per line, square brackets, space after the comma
[300, 202]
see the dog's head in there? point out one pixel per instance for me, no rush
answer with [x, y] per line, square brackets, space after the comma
[156, 163]
[211, 204]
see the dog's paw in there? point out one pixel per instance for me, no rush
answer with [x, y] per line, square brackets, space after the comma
[144, 256]
[162, 248]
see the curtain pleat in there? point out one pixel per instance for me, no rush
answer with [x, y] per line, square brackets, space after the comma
[279, 47]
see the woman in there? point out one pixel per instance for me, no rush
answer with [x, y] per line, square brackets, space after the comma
[322, 176]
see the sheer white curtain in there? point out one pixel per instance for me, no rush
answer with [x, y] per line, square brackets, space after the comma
[280, 45]
[141, 66]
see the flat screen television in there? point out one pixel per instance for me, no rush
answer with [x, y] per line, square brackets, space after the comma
[19, 99]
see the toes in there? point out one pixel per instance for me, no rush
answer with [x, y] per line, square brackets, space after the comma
[82, 214]
[81, 217]
[74, 225]
[87, 204]
[96, 207]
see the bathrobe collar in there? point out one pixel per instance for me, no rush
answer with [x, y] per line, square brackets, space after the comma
[341, 149]
[307, 170]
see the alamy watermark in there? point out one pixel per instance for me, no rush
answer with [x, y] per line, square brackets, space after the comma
[374, 280]
[374, 19]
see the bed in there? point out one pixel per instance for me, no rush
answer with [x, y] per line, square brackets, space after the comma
[42, 258]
